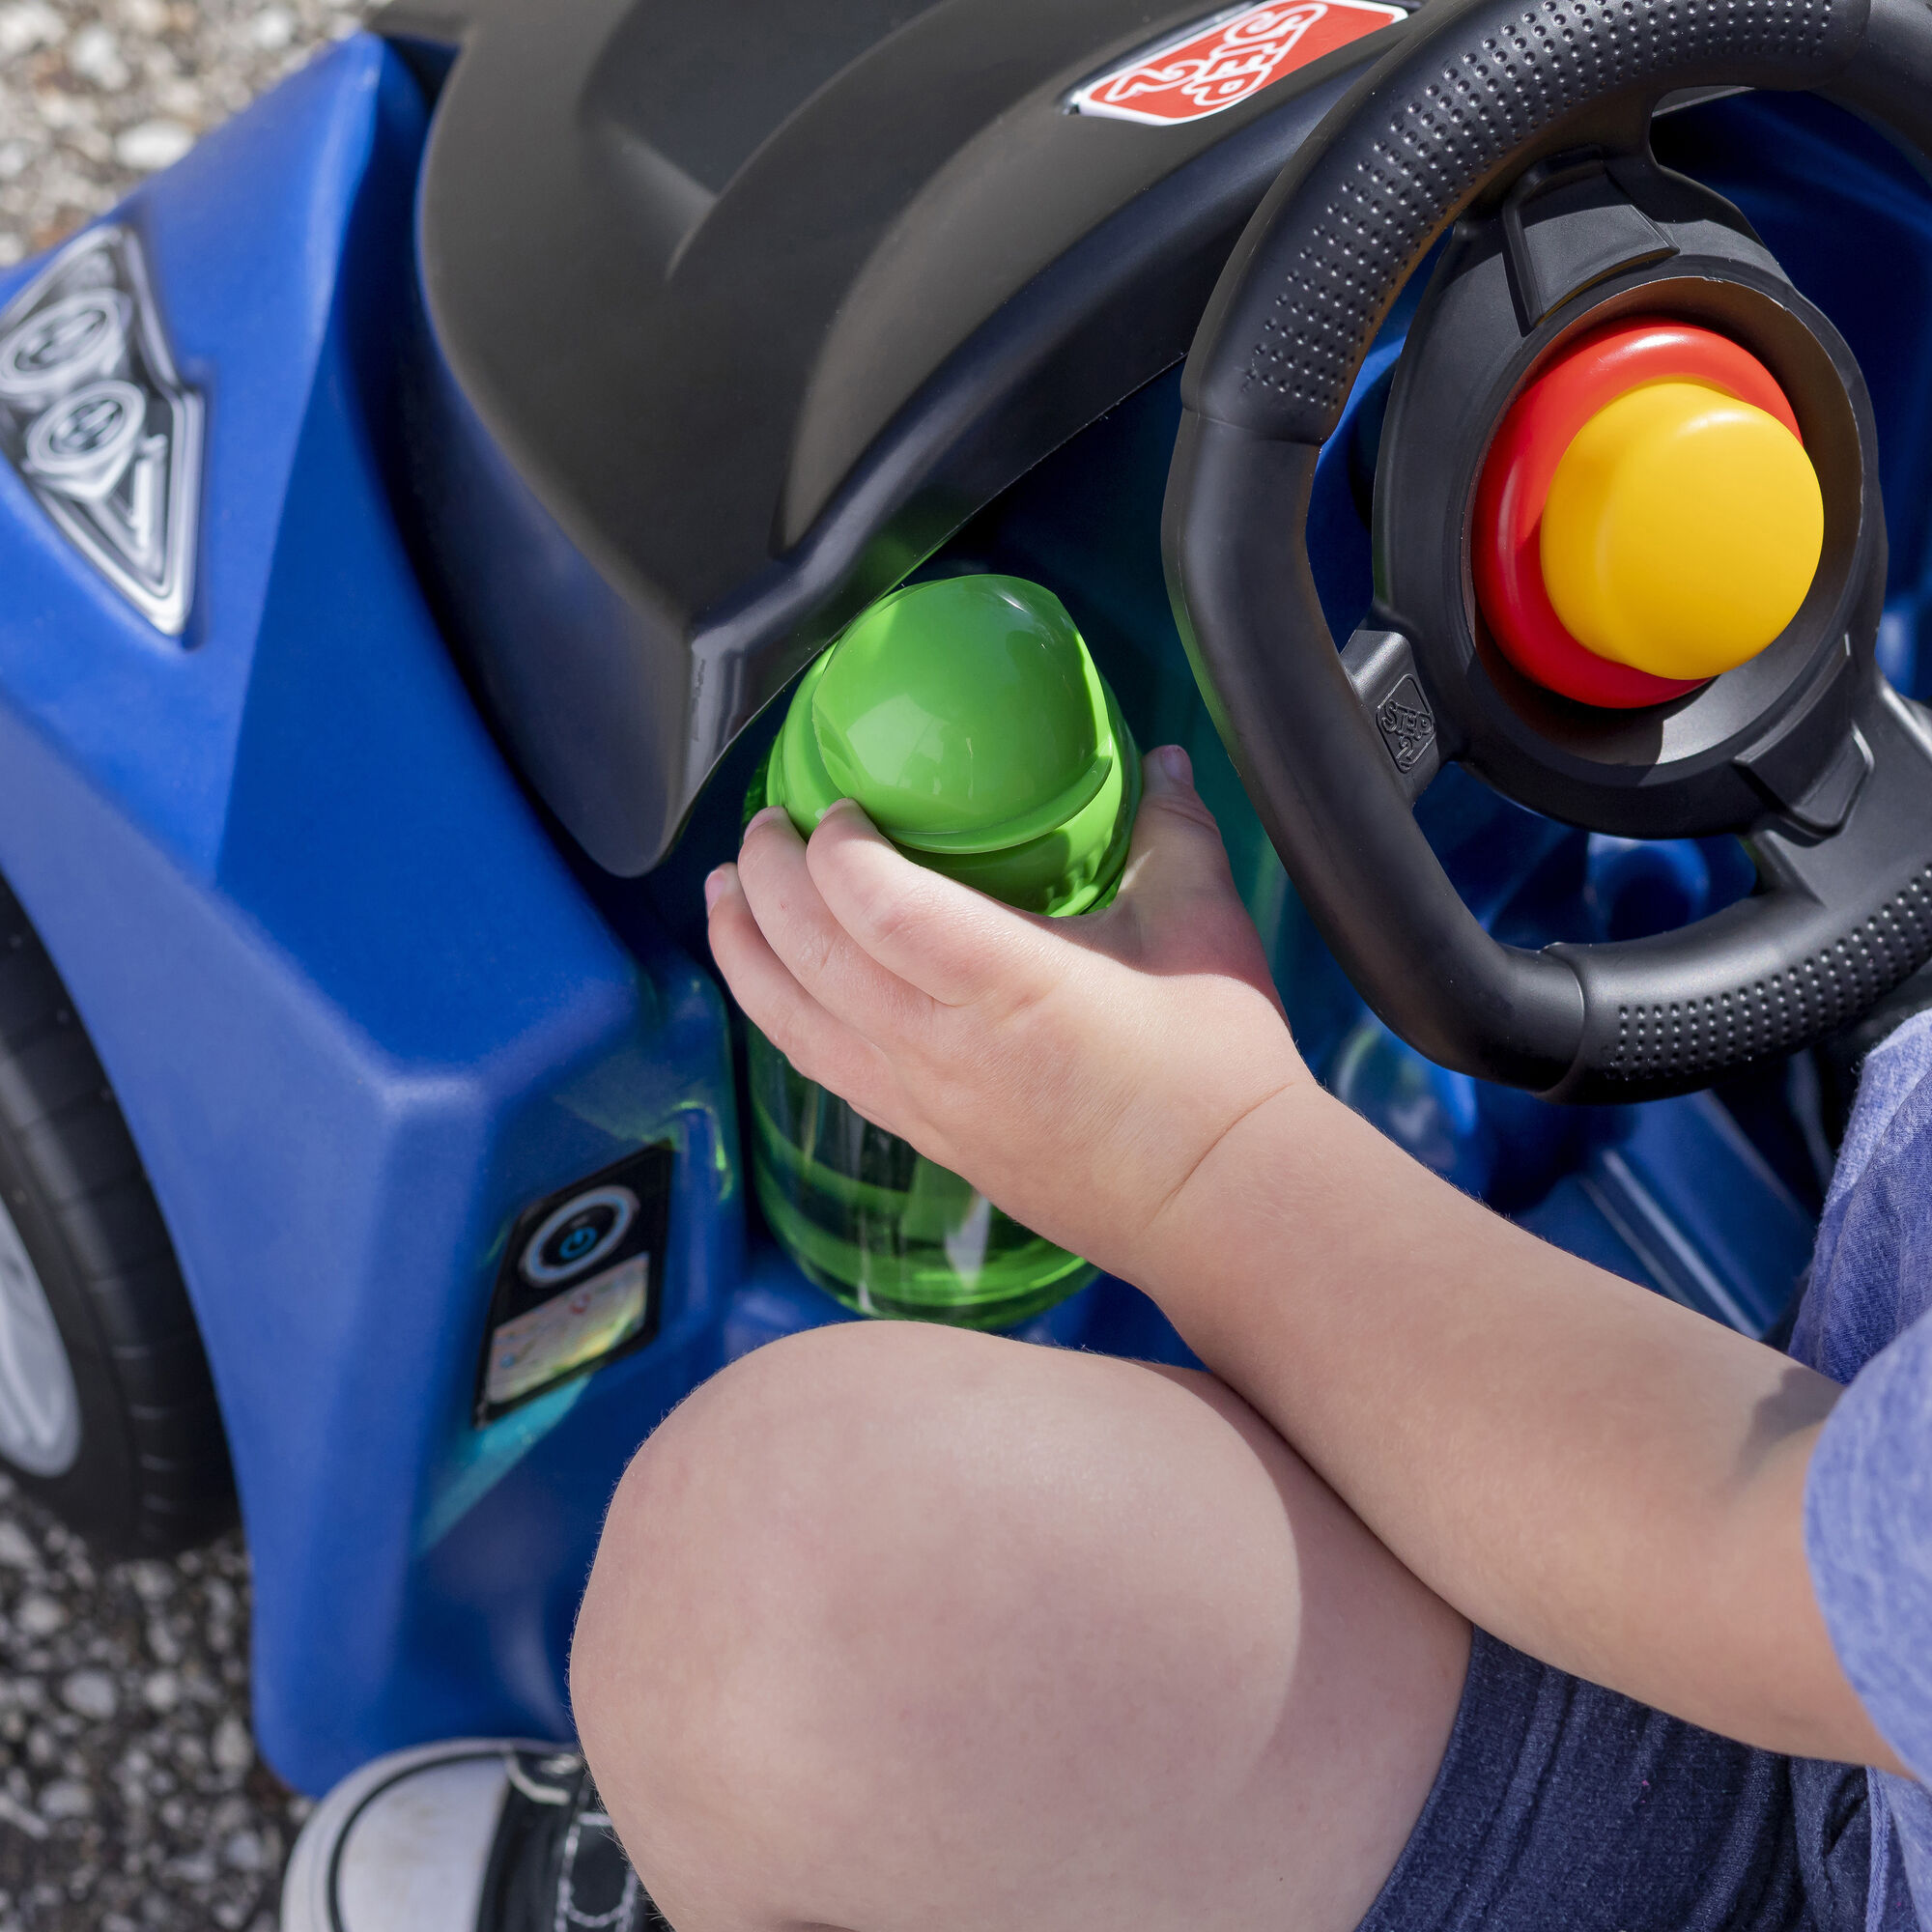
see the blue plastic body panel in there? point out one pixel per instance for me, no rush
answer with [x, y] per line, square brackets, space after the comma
[360, 1009]
[354, 1003]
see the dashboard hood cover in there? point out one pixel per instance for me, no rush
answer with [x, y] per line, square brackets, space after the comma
[737, 308]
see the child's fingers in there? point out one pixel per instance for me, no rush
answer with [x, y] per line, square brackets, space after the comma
[1179, 911]
[817, 1044]
[1177, 853]
[818, 950]
[933, 934]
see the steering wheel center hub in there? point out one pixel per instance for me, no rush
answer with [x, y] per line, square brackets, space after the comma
[1647, 518]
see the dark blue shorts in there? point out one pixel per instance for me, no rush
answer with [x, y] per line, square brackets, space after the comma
[1564, 1807]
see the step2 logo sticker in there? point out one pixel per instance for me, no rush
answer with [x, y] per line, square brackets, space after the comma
[100, 426]
[1210, 68]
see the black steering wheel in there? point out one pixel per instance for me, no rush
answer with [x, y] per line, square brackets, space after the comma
[1524, 125]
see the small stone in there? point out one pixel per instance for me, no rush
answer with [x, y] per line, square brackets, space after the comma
[16, 1547]
[244, 1852]
[91, 1693]
[162, 1644]
[67, 1798]
[153, 145]
[150, 1581]
[233, 1813]
[273, 29]
[15, 1813]
[194, 1867]
[161, 1690]
[28, 24]
[178, 99]
[37, 1615]
[233, 1747]
[94, 55]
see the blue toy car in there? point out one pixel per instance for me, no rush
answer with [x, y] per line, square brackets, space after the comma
[414, 501]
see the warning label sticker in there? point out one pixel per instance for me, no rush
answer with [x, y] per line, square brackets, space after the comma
[570, 1331]
[578, 1283]
[1210, 68]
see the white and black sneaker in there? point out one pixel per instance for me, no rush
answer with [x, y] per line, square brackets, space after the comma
[476, 1835]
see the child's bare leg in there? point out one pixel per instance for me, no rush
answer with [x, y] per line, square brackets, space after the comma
[898, 1627]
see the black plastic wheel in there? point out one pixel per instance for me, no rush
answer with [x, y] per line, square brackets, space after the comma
[108, 1413]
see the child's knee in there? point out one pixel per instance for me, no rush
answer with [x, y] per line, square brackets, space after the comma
[762, 1463]
[747, 1508]
[886, 1582]
[757, 1563]
[846, 1528]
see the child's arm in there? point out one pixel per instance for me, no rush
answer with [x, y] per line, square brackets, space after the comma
[1583, 1468]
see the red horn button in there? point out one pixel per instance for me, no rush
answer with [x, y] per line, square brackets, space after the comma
[1539, 427]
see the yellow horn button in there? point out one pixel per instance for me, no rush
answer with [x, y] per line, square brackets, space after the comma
[1682, 530]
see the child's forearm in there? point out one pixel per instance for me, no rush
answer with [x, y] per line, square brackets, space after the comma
[1585, 1470]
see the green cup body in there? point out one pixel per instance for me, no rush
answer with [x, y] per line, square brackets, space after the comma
[863, 1213]
[881, 1228]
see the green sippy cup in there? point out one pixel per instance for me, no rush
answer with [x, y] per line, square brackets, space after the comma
[967, 718]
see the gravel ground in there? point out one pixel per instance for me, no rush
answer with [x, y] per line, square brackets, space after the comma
[91, 98]
[130, 1797]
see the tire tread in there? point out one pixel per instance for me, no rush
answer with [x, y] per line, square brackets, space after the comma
[169, 1482]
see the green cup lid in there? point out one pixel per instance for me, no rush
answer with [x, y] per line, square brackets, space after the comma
[967, 718]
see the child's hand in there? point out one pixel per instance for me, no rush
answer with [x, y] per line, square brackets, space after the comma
[1079, 1072]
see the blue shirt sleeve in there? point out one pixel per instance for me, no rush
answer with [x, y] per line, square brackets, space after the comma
[1868, 1540]
[1866, 1321]
[1871, 1275]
